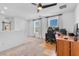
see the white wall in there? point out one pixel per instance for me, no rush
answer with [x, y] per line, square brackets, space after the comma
[30, 28]
[77, 13]
[19, 24]
[14, 38]
[11, 39]
[68, 20]
[0, 26]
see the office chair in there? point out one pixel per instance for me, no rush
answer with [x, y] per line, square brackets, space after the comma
[50, 36]
[63, 31]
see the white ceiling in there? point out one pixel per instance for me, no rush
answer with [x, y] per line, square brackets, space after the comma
[29, 11]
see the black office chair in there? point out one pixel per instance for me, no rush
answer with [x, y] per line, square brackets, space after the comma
[63, 31]
[50, 36]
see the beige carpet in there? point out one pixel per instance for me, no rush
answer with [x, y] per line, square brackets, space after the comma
[31, 47]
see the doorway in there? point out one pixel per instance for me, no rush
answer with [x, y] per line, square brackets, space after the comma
[37, 28]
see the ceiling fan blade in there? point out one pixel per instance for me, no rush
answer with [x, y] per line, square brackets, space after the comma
[34, 3]
[46, 6]
[40, 4]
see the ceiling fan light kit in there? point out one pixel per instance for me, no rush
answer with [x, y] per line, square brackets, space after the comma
[40, 6]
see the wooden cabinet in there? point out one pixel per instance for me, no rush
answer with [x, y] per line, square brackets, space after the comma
[67, 47]
[59, 47]
[74, 48]
[63, 48]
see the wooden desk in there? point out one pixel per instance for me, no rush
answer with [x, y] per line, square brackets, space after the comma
[67, 47]
[75, 48]
[63, 47]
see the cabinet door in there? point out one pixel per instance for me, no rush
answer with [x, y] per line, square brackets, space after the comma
[66, 48]
[59, 47]
[63, 48]
[74, 48]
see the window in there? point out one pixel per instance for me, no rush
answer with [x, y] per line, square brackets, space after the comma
[6, 26]
[53, 22]
[36, 26]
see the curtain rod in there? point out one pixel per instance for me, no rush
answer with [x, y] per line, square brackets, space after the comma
[53, 16]
[47, 17]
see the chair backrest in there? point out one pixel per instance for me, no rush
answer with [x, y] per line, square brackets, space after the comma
[50, 33]
[63, 31]
[50, 29]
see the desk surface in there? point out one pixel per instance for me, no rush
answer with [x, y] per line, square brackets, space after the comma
[68, 38]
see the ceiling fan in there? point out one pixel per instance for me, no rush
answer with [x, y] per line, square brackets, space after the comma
[40, 6]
